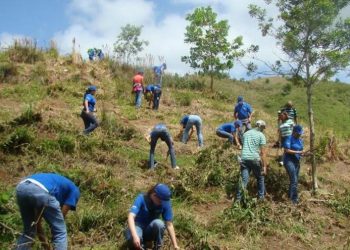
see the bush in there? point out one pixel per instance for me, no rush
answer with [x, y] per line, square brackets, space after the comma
[7, 70]
[20, 139]
[115, 129]
[286, 89]
[24, 51]
[40, 74]
[185, 82]
[184, 99]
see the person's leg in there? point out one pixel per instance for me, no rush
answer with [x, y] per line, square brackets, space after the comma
[129, 239]
[245, 169]
[93, 123]
[138, 98]
[54, 217]
[187, 129]
[167, 139]
[293, 179]
[158, 99]
[224, 134]
[198, 125]
[256, 168]
[154, 139]
[155, 232]
[86, 122]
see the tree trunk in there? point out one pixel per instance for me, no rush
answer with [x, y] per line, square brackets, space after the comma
[312, 135]
[211, 82]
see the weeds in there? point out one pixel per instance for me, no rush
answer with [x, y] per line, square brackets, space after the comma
[66, 143]
[18, 141]
[28, 117]
[7, 70]
[24, 51]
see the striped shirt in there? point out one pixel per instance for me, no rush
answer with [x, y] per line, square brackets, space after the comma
[292, 113]
[253, 140]
[286, 128]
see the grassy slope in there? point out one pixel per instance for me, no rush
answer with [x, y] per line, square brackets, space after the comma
[110, 167]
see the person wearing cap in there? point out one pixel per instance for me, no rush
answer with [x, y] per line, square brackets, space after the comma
[137, 88]
[88, 112]
[158, 73]
[231, 131]
[293, 150]
[243, 112]
[253, 159]
[149, 94]
[49, 196]
[144, 224]
[160, 131]
[187, 123]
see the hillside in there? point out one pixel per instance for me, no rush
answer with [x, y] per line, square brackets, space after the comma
[40, 130]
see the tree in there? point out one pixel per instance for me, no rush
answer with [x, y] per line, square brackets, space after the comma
[129, 43]
[315, 41]
[211, 52]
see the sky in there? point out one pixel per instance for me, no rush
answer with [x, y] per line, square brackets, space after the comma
[97, 23]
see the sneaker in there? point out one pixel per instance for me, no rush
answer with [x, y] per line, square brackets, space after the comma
[155, 164]
[176, 168]
[281, 163]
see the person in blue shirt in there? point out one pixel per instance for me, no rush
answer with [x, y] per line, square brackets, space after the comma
[158, 73]
[149, 94]
[243, 112]
[231, 131]
[160, 131]
[293, 151]
[187, 122]
[88, 112]
[91, 53]
[144, 224]
[49, 196]
[157, 93]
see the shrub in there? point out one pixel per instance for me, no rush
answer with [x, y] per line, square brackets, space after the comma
[7, 70]
[20, 139]
[184, 99]
[66, 143]
[286, 89]
[40, 74]
[24, 51]
[28, 117]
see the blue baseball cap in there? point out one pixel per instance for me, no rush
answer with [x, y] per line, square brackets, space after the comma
[92, 88]
[238, 123]
[163, 193]
[240, 98]
[298, 129]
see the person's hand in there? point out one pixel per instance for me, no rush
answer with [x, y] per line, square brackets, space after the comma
[176, 247]
[264, 172]
[239, 147]
[137, 242]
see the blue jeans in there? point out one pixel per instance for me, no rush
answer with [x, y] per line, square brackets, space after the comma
[193, 120]
[224, 134]
[138, 98]
[246, 167]
[164, 136]
[159, 79]
[153, 232]
[157, 93]
[31, 200]
[90, 122]
[292, 166]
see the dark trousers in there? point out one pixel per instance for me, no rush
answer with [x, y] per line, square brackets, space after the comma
[90, 122]
[156, 98]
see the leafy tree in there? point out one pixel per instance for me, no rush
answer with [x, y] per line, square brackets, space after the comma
[315, 42]
[129, 43]
[211, 52]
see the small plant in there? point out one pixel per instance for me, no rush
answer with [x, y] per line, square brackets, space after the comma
[24, 51]
[184, 100]
[28, 117]
[286, 89]
[20, 139]
[7, 70]
[66, 143]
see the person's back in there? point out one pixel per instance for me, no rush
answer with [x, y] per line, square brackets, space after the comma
[138, 78]
[227, 127]
[253, 140]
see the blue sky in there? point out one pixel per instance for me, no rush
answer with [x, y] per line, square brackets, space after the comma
[96, 23]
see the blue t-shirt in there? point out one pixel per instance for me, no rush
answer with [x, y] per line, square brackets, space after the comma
[150, 88]
[63, 189]
[91, 101]
[243, 110]
[227, 127]
[184, 120]
[293, 143]
[146, 211]
[158, 70]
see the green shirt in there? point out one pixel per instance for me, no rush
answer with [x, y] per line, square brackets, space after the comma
[253, 140]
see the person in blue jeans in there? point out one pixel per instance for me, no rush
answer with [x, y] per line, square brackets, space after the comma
[49, 196]
[187, 122]
[293, 150]
[231, 131]
[160, 131]
[157, 92]
[144, 224]
[158, 73]
[243, 112]
[253, 159]
[88, 112]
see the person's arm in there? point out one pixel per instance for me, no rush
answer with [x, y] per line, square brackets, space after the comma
[41, 235]
[132, 228]
[189, 137]
[171, 231]
[86, 105]
[179, 135]
[250, 116]
[65, 209]
[263, 159]
[237, 140]
[290, 151]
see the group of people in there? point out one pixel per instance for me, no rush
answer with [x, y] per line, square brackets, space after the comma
[51, 196]
[152, 92]
[95, 54]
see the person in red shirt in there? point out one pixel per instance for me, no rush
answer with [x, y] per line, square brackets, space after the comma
[137, 88]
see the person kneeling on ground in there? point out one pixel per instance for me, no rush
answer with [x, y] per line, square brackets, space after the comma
[157, 93]
[149, 94]
[161, 131]
[231, 131]
[50, 196]
[143, 219]
[187, 122]
[293, 150]
[253, 158]
[88, 114]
